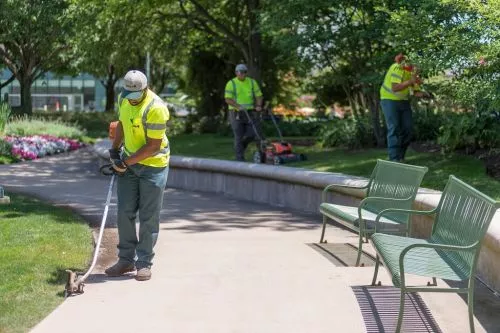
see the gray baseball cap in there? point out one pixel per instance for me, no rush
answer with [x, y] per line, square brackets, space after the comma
[241, 68]
[134, 83]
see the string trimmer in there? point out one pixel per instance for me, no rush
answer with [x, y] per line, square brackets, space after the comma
[75, 283]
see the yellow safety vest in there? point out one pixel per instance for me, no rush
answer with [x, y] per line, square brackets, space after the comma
[242, 92]
[146, 120]
[396, 74]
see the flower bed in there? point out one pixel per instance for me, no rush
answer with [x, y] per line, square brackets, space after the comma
[36, 146]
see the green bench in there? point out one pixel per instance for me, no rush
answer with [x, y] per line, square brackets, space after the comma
[391, 185]
[462, 218]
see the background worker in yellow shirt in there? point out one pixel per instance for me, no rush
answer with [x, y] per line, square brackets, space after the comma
[243, 93]
[400, 81]
[143, 170]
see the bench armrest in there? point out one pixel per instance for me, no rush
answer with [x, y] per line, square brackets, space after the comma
[368, 200]
[441, 247]
[398, 210]
[329, 187]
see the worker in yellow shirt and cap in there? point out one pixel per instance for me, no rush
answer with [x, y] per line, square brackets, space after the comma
[143, 170]
[401, 80]
[243, 93]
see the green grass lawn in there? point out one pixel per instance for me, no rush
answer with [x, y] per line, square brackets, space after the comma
[38, 242]
[357, 163]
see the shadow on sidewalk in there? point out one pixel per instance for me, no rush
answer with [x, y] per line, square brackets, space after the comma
[102, 278]
[380, 307]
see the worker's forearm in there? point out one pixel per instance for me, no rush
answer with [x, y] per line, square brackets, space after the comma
[143, 153]
[117, 141]
[232, 102]
[401, 86]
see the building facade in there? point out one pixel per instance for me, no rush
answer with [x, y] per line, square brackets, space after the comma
[52, 92]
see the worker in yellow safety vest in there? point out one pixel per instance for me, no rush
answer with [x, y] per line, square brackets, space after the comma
[143, 171]
[243, 93]
[401, 81]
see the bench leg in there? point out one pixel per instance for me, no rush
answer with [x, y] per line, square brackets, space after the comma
[470, 303]
[323, 231]
[434, 282]
[360, 249]
[377, 263]
[401, 311]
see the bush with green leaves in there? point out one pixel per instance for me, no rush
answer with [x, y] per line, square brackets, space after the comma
[470, 131]
[95, 124]
[5, 148]
[176, 126]
[5, 112]
[25, 126]
[294, 126]
[350, 133]
[427, 121]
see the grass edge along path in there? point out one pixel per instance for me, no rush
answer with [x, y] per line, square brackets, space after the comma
[38, 242]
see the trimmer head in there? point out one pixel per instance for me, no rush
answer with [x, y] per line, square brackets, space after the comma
[74, 285]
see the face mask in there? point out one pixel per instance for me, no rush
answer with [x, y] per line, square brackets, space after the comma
[134, 95]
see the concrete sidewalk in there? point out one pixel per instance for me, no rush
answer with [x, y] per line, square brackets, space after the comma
[223, 265]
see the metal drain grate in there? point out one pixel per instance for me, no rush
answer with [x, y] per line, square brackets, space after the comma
[342, 254]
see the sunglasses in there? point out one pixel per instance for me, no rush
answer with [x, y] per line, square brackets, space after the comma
[241, 72]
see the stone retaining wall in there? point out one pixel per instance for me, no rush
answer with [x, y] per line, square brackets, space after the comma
[301, 189]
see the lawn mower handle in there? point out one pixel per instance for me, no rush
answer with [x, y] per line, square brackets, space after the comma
[253, 125]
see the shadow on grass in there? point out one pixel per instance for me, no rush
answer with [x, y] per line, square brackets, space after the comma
[60, 276]
[23, 206]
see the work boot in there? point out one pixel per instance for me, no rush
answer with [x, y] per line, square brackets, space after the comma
[143, 274]
[120, 268]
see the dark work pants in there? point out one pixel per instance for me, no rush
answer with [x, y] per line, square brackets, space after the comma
[244, 132]
[140, 191]
[399, 121]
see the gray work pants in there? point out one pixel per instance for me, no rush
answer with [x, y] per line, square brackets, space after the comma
[244, 132]
[140, 191]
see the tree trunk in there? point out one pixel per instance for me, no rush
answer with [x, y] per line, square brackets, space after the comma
[377, 127]
[26, 105]
[110, 89]
[254, 42]
[110, 96]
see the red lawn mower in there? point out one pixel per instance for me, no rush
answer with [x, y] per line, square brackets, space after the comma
[275, 152]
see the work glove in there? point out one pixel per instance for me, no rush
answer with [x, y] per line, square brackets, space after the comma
[114, 154]
[119, 166]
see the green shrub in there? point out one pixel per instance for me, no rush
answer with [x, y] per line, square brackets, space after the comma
[5, 148]
[294, 126]
[95, 124]
[176, 126]
[5, 112]
[351, 133]
[24, 126]
[470, 131]
[207, 125]
[426, 123]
